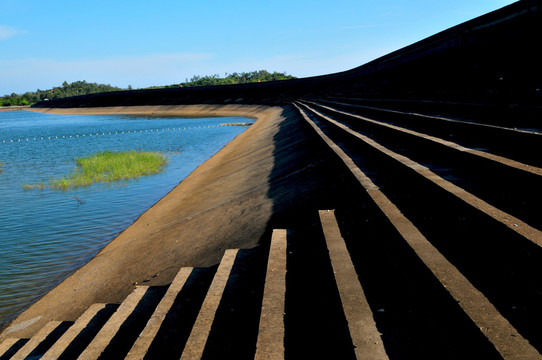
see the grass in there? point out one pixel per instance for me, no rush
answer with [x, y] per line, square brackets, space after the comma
[107, 166]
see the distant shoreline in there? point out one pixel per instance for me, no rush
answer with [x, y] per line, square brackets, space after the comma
[14, 108]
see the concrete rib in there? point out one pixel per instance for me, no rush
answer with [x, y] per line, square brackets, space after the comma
[499, 159]
[7, 344]
[145, 339]
[65, 340]
[195, 344]
[365, 336]
[110, 329]
[270, 343]
[506, 339]
[519, 226]
[440, 118]
[36, 340]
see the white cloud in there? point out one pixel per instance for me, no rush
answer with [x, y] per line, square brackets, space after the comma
[7, 32]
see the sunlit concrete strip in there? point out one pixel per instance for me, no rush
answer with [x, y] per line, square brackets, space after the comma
[36, 340]
[195, 345]
[510, 221]
[506, 339]
[437, 117]
[499, 159]
[270, 344]
[6, 345]
[143, 342]
[110, 329]
[365, 336]
[65, 340]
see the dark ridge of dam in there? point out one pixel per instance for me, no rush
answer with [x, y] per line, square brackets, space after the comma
[387, 212]
[491, 59]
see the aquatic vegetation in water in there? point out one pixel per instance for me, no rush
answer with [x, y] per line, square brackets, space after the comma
[107, 167]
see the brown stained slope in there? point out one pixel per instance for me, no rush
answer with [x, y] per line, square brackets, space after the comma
[223, 204]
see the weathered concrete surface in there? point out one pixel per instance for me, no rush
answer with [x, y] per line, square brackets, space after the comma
[363, 331]
[195, 345]
[224, 203]
[270, 345]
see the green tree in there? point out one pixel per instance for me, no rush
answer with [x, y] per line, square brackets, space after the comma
[66, 90]
[236, 78]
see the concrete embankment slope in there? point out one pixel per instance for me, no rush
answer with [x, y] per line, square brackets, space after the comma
[230, 201]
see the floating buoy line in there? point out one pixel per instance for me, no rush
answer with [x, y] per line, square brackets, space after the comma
[107, 133]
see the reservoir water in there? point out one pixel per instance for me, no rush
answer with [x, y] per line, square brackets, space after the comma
[47, 234]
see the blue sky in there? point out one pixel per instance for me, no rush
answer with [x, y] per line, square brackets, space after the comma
[142, 43]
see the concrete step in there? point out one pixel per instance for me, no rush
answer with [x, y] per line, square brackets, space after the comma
[365, 336]
[110, 329]
[200, 332]
[240, 308]
[143, 342]
[170, 340]
[75, 330]
[41, 336]
[270, 344]
[8, 346]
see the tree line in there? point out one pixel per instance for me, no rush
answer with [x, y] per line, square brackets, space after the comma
[230, 79]
[237, 78]
[66, 90]
[84, 88]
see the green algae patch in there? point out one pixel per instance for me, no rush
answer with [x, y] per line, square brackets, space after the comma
[107, 166]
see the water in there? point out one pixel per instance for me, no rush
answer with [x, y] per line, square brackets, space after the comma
[47, 234]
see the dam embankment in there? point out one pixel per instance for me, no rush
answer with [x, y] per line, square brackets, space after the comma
[428, 157]
[266, 174]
